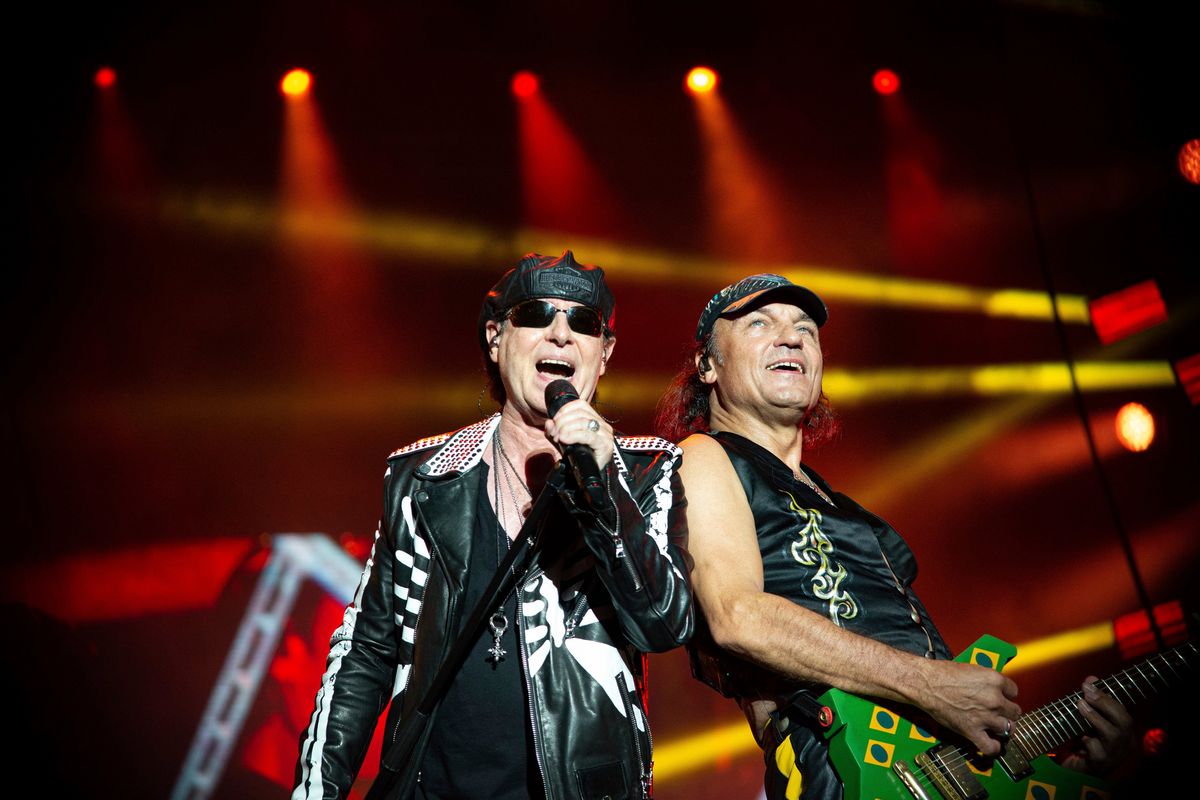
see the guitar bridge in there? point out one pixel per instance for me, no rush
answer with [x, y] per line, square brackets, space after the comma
[948, 768]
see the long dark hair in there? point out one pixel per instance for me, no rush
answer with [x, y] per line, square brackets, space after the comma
[684, 407]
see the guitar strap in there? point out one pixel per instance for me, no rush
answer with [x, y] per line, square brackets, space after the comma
[803, 704]
[795, 754]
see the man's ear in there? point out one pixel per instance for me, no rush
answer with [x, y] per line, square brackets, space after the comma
[704, 369]
[492, 332]
[606, 354]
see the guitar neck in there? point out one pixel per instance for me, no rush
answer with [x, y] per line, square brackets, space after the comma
[1045, 728]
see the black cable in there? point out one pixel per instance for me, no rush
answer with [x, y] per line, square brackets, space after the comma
[1061, 330]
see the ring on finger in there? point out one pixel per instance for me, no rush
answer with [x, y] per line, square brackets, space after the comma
[593, 426]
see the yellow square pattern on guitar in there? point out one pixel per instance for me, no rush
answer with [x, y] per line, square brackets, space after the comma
[920, 735]
[884, 720]
[879, 754]
[1036, 790]
[985, 658]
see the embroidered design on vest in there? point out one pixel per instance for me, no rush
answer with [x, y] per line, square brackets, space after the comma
[814, 549]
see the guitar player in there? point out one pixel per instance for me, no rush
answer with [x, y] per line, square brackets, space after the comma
[775, 549]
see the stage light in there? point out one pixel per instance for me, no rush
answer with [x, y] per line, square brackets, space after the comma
[1135, 427]
[1154, 741]
[1127, 312]
[886, 82]
[105, 77]
[701, 80]
[296, 83]
[1135, 638]
[525, 84]
[1189, 161]
[1187, 370]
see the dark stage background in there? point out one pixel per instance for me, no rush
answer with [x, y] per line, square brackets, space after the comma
[225, 308]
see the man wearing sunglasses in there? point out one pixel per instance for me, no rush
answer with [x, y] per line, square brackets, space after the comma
[548, 703]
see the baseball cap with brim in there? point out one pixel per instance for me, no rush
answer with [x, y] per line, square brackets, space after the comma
[756, 290]
[548, 276]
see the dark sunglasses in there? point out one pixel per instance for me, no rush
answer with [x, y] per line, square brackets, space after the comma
[541, 313]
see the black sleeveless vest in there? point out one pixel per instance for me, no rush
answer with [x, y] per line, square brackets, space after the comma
[842, 562]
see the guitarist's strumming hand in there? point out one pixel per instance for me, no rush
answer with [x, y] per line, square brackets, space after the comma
[1113, 732]
[975, 701]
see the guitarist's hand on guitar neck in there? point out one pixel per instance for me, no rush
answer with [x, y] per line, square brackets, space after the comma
[1113, 737]
[974, 701]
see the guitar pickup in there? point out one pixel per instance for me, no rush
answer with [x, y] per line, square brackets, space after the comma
[1014, 761]
[950, 771]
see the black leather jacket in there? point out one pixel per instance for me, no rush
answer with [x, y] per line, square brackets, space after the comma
[594, 600]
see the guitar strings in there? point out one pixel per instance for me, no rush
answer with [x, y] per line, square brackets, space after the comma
[1041, 727]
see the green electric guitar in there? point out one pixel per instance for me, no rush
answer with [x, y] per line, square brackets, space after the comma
[878, 753]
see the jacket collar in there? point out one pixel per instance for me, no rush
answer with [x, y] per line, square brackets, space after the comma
[462, 450]
[465, 448]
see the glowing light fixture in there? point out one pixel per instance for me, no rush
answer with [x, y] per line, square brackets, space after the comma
[525, 84]
[701, 80]
[1135, 427]
[1127, 312]
[886, 82]
[105, 77]
[1188, 372]
[1135, 637]
[295, 83]
[1189, 161]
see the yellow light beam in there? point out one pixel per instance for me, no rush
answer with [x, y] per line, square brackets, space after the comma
[478, 247]
[456, 399]
[915, 465]
[1060, 646]
[860, 386]
[690, 754]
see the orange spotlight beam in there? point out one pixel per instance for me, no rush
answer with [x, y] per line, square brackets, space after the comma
[1189, 161]
[1135, 427]
[295, 83]
[749, 211]
[701, 80]
[339, 304]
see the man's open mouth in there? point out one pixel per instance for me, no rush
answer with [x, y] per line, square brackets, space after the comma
[788, 366]
[556, 367]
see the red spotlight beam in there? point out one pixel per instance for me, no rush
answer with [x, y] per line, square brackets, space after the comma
[525, 84]
[1127, 312]
[562, 187]
[886, 82]
[105, 78]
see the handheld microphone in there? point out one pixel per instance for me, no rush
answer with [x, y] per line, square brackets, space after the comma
[578, 457]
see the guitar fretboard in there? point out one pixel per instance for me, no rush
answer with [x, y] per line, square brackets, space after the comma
[1045, 728]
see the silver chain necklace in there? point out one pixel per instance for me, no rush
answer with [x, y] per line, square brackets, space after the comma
[498, 622]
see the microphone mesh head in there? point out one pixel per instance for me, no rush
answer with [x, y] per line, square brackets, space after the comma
[558, 394]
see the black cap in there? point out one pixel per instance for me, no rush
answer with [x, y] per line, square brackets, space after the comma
[547, 276]
[758, 289]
